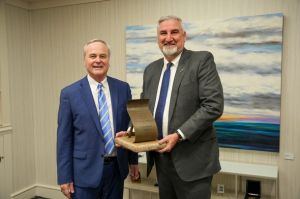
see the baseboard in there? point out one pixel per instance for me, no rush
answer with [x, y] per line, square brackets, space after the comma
[49, 191]
[46, 191]
[27, 192]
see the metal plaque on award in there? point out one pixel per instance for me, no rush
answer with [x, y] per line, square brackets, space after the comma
[144, 136]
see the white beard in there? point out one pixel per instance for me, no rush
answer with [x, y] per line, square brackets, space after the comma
[169, 51]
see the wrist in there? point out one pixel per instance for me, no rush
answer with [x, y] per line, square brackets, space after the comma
[179, 136]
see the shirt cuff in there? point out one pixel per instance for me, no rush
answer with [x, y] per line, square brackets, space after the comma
[181, 134]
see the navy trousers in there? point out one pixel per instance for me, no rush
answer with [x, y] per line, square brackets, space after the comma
[111, 186]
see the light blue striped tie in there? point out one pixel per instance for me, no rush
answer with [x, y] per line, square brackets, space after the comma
[105, 121]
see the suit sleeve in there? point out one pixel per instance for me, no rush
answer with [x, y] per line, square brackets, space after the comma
[211, 100]
[64, 141]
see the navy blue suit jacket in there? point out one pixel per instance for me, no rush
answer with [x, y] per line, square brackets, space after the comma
[80, 144]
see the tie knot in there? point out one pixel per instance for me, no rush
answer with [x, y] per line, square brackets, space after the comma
[100, 86]
[169, 65]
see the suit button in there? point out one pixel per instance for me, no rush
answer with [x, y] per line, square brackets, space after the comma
[102, 155]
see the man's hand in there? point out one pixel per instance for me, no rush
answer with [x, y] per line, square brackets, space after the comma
[121, 134]
[134, 172]
[170, 141]
[67, 189]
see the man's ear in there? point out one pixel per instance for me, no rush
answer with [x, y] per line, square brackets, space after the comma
[185, 35]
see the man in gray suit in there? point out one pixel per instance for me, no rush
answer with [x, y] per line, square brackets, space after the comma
[185, 96]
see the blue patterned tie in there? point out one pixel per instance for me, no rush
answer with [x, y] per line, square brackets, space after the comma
[104, 120]
[162, 100]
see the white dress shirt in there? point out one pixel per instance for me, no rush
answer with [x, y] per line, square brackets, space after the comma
[167, 105]
[94, 88]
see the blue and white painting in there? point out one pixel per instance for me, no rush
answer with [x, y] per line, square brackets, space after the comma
[247, 52]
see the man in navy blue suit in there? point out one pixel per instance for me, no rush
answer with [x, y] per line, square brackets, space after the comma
[85, 168]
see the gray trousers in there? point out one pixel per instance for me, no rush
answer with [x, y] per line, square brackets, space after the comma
[171, 186]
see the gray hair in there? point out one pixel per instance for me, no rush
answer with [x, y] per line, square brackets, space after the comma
[94, 41]
[170, 17]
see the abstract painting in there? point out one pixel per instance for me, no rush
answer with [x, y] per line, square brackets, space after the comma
[247, 52]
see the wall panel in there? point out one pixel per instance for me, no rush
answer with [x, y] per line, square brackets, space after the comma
[20, 87]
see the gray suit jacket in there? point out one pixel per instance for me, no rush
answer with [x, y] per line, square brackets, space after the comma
[196, 102]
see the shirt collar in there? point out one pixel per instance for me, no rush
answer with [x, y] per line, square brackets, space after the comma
[174, 61]
[94, 84]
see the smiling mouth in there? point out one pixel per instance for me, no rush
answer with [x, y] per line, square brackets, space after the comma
[98, 66]
[169, 44]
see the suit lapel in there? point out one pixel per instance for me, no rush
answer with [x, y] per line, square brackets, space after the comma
[87, 97]
[114, 98]
[182, 67]
[155, 82]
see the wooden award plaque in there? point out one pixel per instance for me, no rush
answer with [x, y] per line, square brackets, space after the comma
[144, 137]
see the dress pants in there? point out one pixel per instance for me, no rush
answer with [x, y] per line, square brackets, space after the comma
[171, 186]
[111, 186]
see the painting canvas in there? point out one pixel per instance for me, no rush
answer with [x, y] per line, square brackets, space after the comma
[247, 52]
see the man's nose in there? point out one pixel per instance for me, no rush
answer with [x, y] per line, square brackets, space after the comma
[169, 37]
[98, 59]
